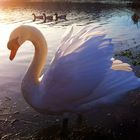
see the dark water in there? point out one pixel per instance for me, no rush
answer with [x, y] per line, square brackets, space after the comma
[115, 21]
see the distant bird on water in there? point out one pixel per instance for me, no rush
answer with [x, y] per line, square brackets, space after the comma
[135, 18]
[61, 17]
[38, 17]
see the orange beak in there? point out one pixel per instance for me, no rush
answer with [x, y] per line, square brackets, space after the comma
[13, 54]
[13, 45]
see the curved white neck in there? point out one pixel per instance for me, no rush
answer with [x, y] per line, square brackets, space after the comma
[30, 84]
[39, 60]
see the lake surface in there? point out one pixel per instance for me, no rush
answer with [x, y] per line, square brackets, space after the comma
[114, 21]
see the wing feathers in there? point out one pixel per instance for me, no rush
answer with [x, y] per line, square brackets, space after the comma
[114, 85]
[119, 65]
[80, 68]
[83, 74]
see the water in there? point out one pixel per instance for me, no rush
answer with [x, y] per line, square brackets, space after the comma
[115, 22]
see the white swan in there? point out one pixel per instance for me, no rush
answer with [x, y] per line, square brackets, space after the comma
[80, 76]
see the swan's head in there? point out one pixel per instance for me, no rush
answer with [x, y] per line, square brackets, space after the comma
[13, 46]
[16, 39]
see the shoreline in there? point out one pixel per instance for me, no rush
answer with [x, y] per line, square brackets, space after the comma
[68, 3]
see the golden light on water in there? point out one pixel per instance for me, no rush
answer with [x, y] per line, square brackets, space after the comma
[4, 35]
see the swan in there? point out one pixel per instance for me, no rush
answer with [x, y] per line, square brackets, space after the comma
[38, 17]
[60, 17]
[81, 76]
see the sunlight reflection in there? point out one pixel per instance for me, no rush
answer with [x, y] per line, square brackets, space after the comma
[4, 35]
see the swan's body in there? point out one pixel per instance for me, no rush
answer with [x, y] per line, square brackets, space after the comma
[49, 18]
[81, 74]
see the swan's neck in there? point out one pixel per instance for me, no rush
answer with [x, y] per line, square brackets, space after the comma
[30, 84]
[39, 60]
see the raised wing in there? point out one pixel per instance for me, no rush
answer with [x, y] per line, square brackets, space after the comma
[79, 67]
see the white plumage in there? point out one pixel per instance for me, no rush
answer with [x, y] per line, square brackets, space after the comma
[81, 74]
